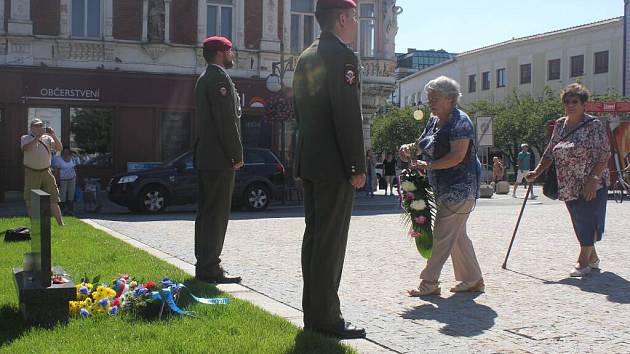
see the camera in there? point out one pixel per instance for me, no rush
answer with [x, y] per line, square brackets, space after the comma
[48, 130]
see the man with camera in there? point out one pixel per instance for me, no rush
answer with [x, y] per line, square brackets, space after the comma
[37, 147]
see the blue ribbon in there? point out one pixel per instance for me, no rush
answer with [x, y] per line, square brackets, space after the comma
[166, 296]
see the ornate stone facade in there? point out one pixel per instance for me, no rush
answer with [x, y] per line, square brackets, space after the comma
[84, 51]
[154, 51]
[377, 73]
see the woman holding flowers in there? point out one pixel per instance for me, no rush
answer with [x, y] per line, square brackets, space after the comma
[448, 155]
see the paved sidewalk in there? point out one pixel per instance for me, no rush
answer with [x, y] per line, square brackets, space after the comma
[533, 307]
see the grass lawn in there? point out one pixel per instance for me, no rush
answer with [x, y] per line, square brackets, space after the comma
[235, 328]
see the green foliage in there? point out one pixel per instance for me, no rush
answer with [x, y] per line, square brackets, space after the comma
[396, 128]
[610, 96]
[92, 130]
[520, 119]
[239, 327]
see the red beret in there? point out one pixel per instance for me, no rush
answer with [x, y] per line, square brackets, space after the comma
[217, 43]
[336, 4]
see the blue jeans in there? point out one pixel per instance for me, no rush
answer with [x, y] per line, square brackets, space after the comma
[368, 186]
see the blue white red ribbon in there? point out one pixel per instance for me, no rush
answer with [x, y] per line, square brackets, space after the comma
[166, 296]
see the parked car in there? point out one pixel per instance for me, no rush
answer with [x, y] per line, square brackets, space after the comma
[175, 183]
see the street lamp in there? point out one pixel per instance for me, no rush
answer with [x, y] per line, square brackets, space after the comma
[275, 83]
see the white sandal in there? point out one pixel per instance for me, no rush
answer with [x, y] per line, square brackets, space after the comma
[469, 286]
[425, 289]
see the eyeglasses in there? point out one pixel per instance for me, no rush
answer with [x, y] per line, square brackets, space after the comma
[434, 98]
[574, 101]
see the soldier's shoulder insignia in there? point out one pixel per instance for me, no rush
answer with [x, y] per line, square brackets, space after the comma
[350, 74]
[222, 87]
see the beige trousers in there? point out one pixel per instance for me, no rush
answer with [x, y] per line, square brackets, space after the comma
[450, 238]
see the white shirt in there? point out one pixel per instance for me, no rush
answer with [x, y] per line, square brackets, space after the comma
[66, 169]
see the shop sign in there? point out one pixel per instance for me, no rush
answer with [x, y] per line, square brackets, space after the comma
[61, 93]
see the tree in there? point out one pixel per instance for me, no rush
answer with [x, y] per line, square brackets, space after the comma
[520, 119]
[395, 128]
[610, 96]
[92, 130]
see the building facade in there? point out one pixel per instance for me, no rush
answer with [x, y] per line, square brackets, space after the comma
[115, 78]
[415, 60]
[626, 43]
[592, 53]
[412, 62]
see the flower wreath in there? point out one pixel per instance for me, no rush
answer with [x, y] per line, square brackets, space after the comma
[418, 203]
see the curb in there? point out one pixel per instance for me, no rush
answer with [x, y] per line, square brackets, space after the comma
[242, 292]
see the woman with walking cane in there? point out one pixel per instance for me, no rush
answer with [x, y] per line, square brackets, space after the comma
[450, 160]
[580, 149]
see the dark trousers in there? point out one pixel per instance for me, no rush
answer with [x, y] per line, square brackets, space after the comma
[213, 213]
[327, 207]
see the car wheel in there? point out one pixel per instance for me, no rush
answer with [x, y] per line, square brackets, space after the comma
[152, 199]
[256, 197]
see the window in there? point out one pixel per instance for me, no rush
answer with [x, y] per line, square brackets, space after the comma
[50, 116]
[577, 65]
[601, 62]
[501, 77]
[86, 18]
[176, 134]
[219, 22]
[472, 83]
[485, 80]
[526, 74]
[553, 70]
[367, 24]
[302, 24]
[91, 136]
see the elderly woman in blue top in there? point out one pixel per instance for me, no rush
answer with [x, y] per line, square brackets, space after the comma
[448, 155]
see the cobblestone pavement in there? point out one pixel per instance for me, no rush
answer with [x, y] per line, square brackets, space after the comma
[531, 307]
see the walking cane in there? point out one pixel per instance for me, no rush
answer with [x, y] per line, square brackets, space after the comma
[529, 190]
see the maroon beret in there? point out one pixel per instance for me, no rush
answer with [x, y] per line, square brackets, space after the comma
[336, 4]
[217, 43]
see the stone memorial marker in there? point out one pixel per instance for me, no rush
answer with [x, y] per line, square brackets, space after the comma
[40, 301]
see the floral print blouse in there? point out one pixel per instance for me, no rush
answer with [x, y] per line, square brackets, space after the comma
[576, 156]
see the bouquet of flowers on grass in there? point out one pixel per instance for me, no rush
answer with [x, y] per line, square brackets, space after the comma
[94, 299]
[127, 295]
[418, 203]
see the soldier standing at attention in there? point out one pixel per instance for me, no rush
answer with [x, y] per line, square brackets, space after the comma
[218, 155]
[330, 160]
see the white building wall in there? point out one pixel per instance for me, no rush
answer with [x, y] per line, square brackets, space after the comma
[537, 51]
[627, 47]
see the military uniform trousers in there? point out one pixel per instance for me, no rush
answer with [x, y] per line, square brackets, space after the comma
[327, 208]
[213, 213]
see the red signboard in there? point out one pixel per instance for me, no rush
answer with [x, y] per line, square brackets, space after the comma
[608, 107]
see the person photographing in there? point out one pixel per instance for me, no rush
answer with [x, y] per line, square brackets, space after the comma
[37, 147]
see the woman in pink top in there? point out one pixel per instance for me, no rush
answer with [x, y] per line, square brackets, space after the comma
[580, 149]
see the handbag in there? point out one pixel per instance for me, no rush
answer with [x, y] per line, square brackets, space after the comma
[550, 187]
[17, 234]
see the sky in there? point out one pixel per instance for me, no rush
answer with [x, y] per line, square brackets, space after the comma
[458, 25]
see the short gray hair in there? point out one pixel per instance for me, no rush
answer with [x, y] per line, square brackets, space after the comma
[446, 86]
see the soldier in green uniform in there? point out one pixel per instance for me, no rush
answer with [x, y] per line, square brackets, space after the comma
[218, 155]
[330, 160]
